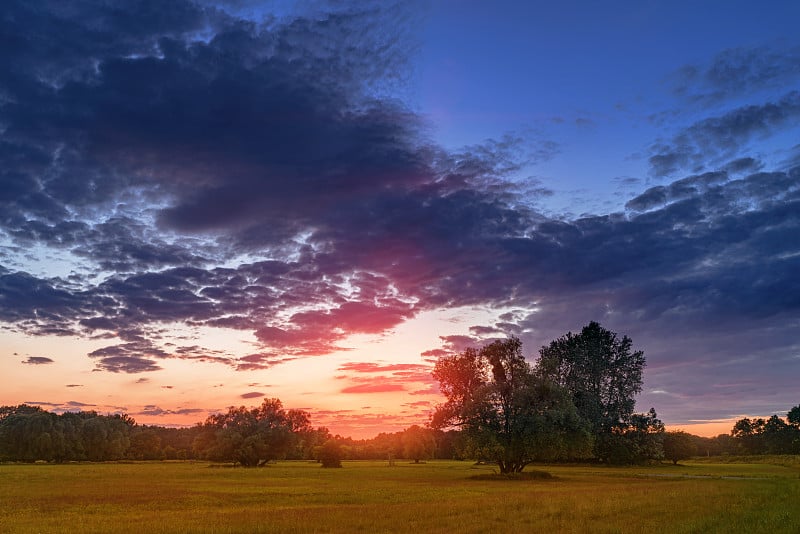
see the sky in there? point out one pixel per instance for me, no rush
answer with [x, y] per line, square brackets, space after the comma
[205, 203]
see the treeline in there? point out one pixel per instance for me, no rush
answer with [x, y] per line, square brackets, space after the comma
[576, 403]
[243, 436]
[29, 434]
[774, 435]
[769, 436]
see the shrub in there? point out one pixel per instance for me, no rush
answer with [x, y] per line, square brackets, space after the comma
[330, 454]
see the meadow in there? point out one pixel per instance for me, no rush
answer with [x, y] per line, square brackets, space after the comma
[437, 496]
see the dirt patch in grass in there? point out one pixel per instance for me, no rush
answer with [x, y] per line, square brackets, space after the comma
[525, 475]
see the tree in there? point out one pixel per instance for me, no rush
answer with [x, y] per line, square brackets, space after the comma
[645, 432]
[307, 442]
[145, 445]
[637, 441]
[251, 437]
[27, 433]
[105, 438]
[794, 416]
[510, 415]
[747, 433]
[679, 445]
[777, 436]
[418, 443]
[600, 371]
[330, 453]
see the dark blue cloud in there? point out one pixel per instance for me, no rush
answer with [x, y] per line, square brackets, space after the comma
[737, 71]
[716, 139]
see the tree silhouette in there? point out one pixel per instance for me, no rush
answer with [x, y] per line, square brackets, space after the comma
[510, 415]
[251, 436]
[602, 374]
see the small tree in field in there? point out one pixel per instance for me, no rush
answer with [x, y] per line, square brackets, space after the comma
[678, 446]
[329, 454]
[418, 443]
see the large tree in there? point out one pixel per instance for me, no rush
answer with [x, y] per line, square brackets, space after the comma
[251, 436]
[678, 446]
[510, 415]
[601, 372]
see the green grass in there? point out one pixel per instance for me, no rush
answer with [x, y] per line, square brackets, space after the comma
[439, 496]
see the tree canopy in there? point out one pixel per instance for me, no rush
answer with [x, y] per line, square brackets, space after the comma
[28, 433]
[418, 443]
[601, 372]
[768, 436]
[251, 436]
[509, 414]
[679, 446]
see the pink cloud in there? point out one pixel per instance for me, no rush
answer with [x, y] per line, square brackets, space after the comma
[371, 367]
[373, 388]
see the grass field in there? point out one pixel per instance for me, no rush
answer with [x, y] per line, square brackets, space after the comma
[439, 496]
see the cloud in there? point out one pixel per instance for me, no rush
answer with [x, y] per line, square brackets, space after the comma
[373, 388]
[203, 170]
[251, 395]
[78, 404]
[715, 139]
[126, 364]
[253, 362]
[38, 360]
[372, 367]
[157, 411]
[306, 164]
[372, 377]
[737, 71]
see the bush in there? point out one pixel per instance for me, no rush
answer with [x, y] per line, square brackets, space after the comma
[330, 454]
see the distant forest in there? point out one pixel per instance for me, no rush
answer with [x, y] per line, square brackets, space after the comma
[30, 434]
[576, 403]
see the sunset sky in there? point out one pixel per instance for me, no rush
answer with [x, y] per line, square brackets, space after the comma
[204, 203]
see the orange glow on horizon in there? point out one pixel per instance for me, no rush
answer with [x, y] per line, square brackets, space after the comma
[708, 429]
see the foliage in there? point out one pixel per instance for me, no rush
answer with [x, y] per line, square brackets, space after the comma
[251, 436]
[638, 441]
[602, 374]
[307, 441]
[793, 416]
[679, 446]
[329, 454]
[600, 371]
[509, 415]
[645, 432]
[145, 444]
[418, 443]
[768, 436]
[28, 434]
